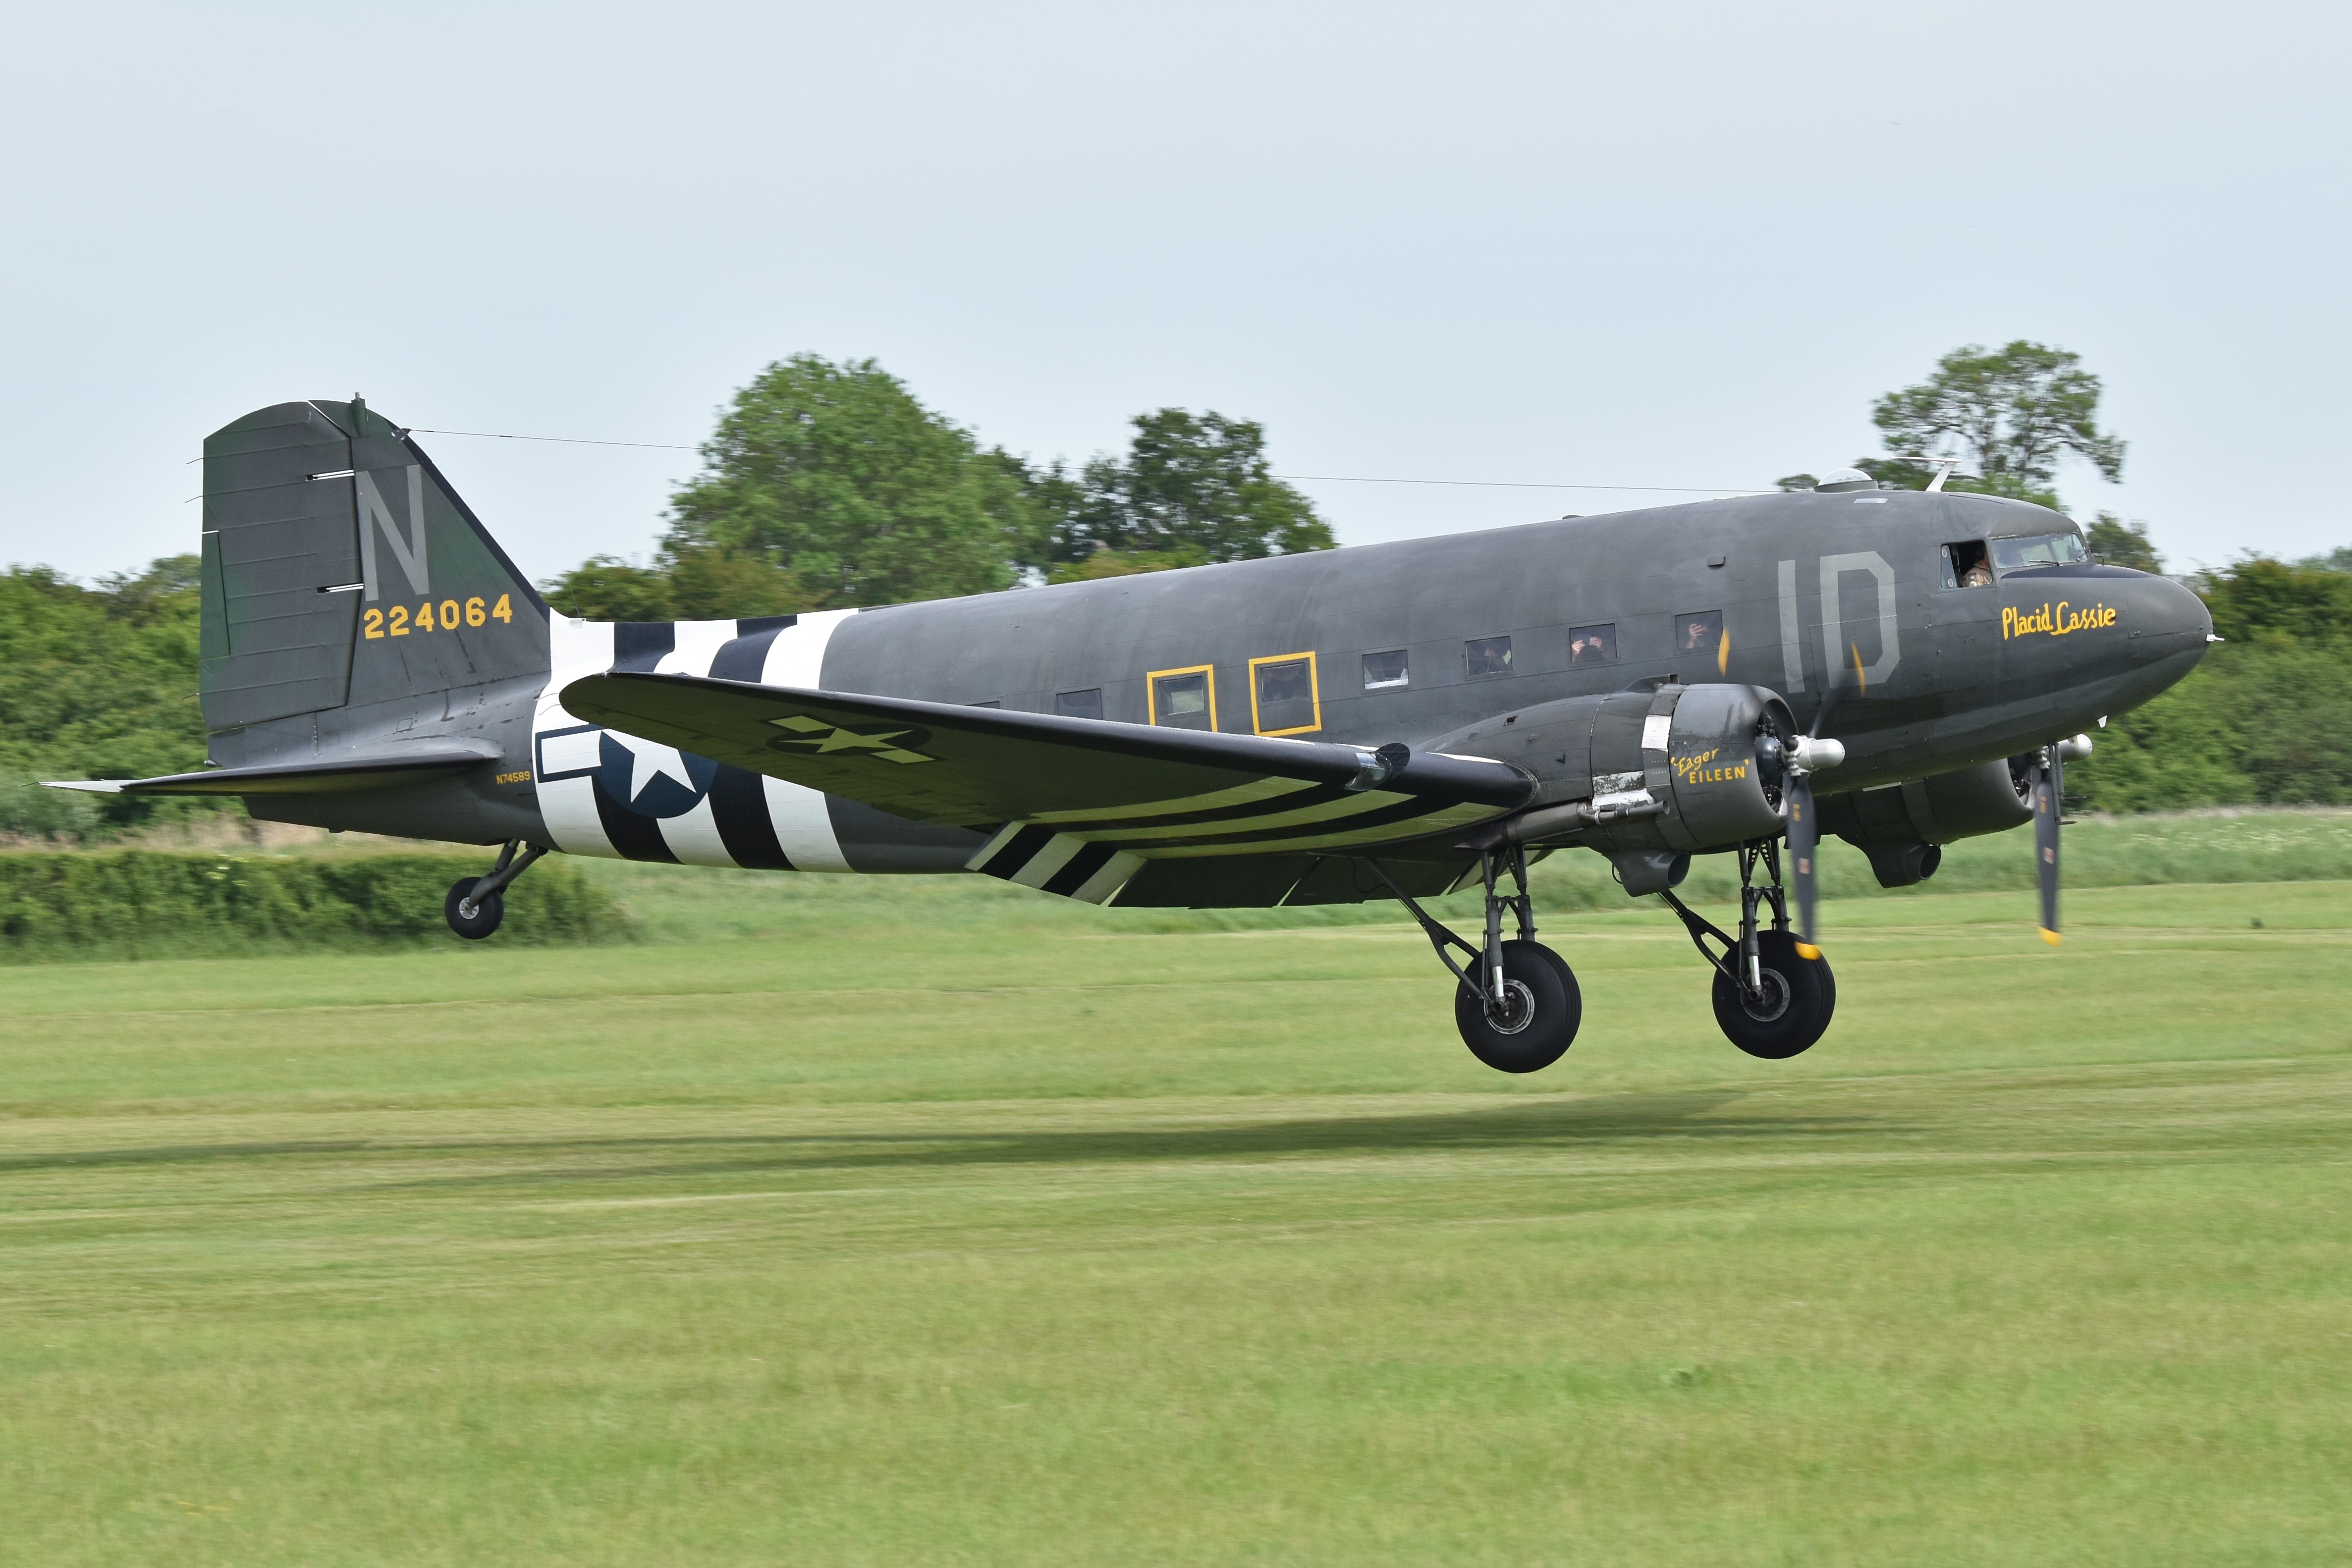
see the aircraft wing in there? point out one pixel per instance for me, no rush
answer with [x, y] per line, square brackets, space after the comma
[1077, 805]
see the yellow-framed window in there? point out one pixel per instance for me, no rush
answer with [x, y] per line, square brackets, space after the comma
[1285, 698]
[1184, 698]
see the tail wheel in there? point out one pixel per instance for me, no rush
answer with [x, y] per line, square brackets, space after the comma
[485, 911]
[1797, 997]
[1537, 1020]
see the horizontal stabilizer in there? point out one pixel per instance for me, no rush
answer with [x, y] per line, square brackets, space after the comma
[295, 779]
[1053, 784]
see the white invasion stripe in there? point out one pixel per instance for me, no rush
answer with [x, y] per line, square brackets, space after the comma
[1239, 795]
[796, 658]
[1058, 852]
[567, 806]
[1004, 836]
[694, 837]
[803, 824]
[1114, 876]
[698, 643]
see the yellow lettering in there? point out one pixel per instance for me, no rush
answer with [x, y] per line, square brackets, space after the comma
[474, 616]
[374, 624]
[424, 616]
[448, 615]
[400, 620]
[501, 611]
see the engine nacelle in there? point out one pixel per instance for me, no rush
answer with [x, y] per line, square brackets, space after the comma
[1646, 776]
[1901, 827]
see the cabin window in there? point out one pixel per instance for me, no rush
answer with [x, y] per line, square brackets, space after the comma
[1591, 645]
[990, 703]
[1388, 669]
[1965, 565]
[1086, 704]
[2042, 550]
[1285, 698]
[1698, 634]
[1487, 655]
[1184, 699]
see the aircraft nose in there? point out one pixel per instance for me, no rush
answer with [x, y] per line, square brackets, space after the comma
[2173, 613]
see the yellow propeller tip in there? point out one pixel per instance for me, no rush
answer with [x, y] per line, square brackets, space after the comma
[1807, 950]
[2050, 937]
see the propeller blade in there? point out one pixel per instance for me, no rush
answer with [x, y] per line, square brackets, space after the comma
[1802, 843]
[2048, 786]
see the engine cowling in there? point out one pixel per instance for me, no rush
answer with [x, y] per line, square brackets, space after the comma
[1648, 777]
[1902, 827]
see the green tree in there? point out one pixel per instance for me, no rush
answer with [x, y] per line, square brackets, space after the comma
[2119, 543]
[1191, 488]
[2009, 415]
[837, 476]
[96, 683]
[606, 588]
[2258, 598]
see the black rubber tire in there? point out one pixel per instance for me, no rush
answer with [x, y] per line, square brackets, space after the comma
[487, 911]
[1544, 981]
[1810, 993]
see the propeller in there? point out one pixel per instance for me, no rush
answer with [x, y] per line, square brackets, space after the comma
[2047, 774]
[2047, 771]
[1811, 753]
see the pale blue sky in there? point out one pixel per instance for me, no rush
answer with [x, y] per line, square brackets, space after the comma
[1658, 245]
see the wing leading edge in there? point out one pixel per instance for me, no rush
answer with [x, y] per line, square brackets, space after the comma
[1077, 806]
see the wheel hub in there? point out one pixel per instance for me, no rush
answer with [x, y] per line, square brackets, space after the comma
[1515, 1012]
[1769, 1000]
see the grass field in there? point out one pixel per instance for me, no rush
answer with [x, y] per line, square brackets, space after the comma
[846, 1225]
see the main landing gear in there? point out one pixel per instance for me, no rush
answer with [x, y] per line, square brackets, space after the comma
[1773, 996]
[477, 903]
[1517, 1005]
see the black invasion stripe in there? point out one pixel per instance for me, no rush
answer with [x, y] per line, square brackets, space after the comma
[738, 805]
[1007, 861]
[753, 625]
[1368, 822]
[745, 657]
[637, 838]
[1083, 864]
[1292, 801]
[640, 644]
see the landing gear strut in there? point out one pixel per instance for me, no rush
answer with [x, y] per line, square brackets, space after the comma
[1516, 1003]
[477, 903]
[1770, 1000]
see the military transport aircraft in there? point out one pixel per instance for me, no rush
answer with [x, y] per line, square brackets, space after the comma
[1400, 721]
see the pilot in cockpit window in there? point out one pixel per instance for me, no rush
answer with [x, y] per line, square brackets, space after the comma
[1966, 565]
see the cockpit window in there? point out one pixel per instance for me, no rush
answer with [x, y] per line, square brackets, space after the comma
[2040, 549]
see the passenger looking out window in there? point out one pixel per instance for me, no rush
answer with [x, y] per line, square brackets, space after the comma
[1487, 655]
[1591, 645]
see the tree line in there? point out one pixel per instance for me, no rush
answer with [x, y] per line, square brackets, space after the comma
[830, 486]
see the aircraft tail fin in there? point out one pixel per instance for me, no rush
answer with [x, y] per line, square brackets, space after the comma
[340, 568]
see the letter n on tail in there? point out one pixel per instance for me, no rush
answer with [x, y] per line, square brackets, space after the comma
[374, 515]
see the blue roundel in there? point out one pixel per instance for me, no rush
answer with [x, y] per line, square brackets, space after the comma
[659, 792]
